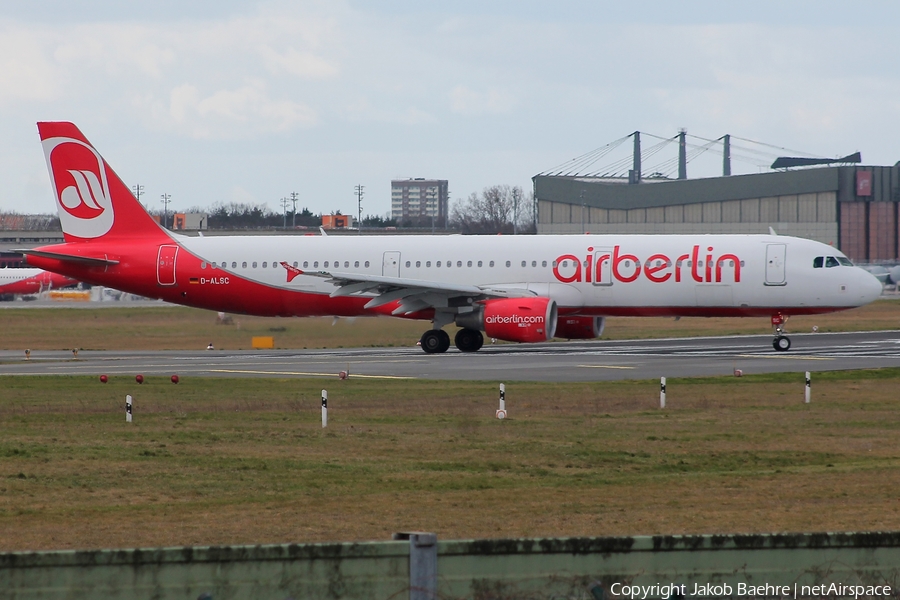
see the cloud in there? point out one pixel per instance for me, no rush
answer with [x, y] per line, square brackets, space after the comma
[233, 113]
[465, 101]
[301, 64]
[27, 71]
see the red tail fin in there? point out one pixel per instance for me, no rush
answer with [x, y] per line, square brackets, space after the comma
[91, 200]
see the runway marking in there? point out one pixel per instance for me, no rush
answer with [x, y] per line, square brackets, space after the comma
[784, 357]
[356, 375]
[604, 367]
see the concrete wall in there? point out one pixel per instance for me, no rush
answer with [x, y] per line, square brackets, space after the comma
[516, 568]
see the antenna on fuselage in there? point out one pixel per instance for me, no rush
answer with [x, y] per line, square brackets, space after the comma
[322, 229]
[772, 230]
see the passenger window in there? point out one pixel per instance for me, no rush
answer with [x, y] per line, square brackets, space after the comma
[491, 264]
[234, 265]
[418, 263]
[427, 263]
[459, 263]
[565, 263]
[367, 264]
[544, 263]
[244, 265]
[831, 262]
[507, 263]
[817, 262]
[534, 263]
[316, 265]
[254, 264]
[203, 265]
[346, 264]
[356, 264]
[295, 263]
[585, 264]
[408, 264]
[265, 265]
[469, 264]
[437, 264]
[325, 264]
[742, 263]
[305, 264]
[479, 263]
[524, 263]
[844, 261]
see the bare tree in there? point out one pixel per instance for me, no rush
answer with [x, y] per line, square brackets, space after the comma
[498, 209]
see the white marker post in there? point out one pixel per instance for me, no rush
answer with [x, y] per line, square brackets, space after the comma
[501, 412]
[808, 386]
[662, 392]
[324, 409]
[128, 408]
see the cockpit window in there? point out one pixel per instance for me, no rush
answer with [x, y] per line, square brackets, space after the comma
[844, 261]
[817, 262]
[831, 261]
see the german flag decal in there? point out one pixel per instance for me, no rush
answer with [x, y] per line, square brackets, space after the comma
[195, 280]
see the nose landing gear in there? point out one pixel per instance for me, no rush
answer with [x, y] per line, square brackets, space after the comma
[781, 343]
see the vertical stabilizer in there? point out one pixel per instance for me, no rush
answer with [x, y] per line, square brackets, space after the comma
[91, 200]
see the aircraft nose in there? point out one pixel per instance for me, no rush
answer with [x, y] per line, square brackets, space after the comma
[871, 288]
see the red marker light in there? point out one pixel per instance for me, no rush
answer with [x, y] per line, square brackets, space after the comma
[174, 378]
[104, 379]
[139, 378]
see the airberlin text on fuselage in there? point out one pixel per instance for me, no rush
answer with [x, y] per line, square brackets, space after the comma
[658, 268]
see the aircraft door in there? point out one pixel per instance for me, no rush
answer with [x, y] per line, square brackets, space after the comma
[165, 265]
[775, 259]
[391, 265]
[602, 267]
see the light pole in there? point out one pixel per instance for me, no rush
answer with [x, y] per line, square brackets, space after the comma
[165, 202]
[138, 190]
[294, 197]
[359, 196]
[284, 204]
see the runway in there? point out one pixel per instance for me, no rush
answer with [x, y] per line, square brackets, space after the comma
[561, 361]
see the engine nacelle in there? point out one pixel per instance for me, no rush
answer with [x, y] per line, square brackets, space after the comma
[580, 328]
[513, 319]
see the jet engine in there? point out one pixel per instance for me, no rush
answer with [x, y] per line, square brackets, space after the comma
[513, 319]
[580, 328]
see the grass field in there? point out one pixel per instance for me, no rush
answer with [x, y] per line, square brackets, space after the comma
[177, 328]
[245, 461]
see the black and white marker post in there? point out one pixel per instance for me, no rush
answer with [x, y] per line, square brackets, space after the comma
[501, 412]
[662, 392]
[808, 386]
[128, 408]
[324, 409]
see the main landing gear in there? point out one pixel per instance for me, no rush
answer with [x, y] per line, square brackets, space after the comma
[435, 341]
[781, 343]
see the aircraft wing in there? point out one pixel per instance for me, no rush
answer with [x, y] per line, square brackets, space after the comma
[413, 294]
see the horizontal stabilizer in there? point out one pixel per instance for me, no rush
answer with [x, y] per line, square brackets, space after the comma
[72, 258]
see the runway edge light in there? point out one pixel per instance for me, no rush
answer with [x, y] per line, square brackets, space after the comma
[501, 412]
[128, 403]
[662, 392]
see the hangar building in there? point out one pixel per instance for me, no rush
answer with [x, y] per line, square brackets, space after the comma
[852, 207]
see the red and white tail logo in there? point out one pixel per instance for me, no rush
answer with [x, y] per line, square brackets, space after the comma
[91, 199]
[82, 190]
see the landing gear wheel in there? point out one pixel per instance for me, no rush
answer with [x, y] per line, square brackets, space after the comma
[782, 343]
[435, 341]
[469, 340]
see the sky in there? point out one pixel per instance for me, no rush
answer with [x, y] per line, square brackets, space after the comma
[220, 101]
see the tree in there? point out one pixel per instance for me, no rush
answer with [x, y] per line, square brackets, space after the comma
[498, 209]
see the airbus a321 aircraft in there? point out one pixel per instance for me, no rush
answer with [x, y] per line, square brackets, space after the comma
[514, 288]
[31, 281]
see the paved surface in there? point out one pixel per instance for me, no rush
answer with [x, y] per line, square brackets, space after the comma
[565, 361]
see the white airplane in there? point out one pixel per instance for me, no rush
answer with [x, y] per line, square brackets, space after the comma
[514, 288]
[31, 281]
